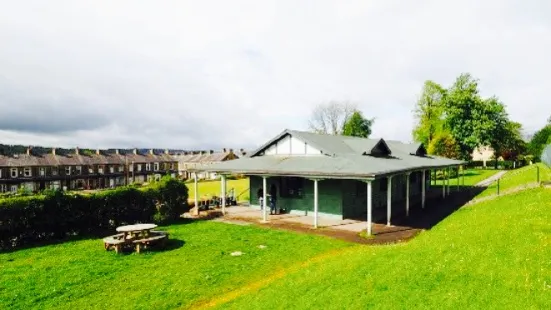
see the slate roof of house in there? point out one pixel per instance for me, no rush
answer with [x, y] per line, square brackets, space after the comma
[29, 160]
[203, 158]
[340, 157]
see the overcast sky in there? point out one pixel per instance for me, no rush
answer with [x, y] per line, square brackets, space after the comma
[204, 74]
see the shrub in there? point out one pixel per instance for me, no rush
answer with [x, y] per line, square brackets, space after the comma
[55, 214]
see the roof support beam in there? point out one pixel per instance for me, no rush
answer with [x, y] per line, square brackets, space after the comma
[448, 180]
[388, 200]
[196, 192]
[223, 193]
[369, 207]
[263, 208]
[407, 192]
[423, 195]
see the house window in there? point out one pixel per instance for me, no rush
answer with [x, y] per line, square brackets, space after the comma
[90, 170]
[100, 169]
[121, 168]
[27, 172]
[2, 188]
[131, 168]
[156, 166]
[68, 170]
[147, 167]
[54, 171]
[78, 169]
[383, 184]
[42, 171]
[139, 167]
[13, 172]
[111, 169]
[291, 188]
[13, 188]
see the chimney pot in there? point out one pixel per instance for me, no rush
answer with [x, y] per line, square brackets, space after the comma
[98, 152]
[135, 151]
[151, 152]
[29, 150]
[224, 149]
[231, 150]
[53, 151]
[167, 152]
[77, 151]
[211, 151]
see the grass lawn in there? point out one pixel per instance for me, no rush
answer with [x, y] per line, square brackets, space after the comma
[518, 178]
[495, 254]
[82, 275]
[210, 188]
[472, 176]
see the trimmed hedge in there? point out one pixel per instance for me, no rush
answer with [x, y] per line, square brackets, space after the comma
[55, 215]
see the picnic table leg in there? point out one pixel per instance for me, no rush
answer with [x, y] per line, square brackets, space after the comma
[117, 248]
[138, 248]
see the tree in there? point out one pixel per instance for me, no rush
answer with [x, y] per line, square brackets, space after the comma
[510, 144]
[539, 141]
[428, 113]
[471, 120]
[443, 144]
[329, 118]
[357, 126]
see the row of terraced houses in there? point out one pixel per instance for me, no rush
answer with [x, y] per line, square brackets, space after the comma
[35, 172]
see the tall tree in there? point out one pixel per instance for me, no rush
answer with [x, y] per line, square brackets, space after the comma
[428, 113]
[509, 144]
[357, 126]
[444, 145]
[329, 118]
[540, 139]
[471, 120]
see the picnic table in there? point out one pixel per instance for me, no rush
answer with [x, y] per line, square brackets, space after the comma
[138, 235]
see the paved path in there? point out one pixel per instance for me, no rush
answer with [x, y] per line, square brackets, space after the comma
[491, 179]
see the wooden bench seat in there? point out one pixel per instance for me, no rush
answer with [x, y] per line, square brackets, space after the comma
[161, 238]
[115, 241]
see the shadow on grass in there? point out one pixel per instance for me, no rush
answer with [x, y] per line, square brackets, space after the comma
[436, 208]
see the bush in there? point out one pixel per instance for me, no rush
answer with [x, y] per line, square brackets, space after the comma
[55, 215]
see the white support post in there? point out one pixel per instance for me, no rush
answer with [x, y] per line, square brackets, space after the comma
[369, 207]
[196, 192]
[315, 203]
[223, 193]
[407, 193]
[458, 178]
[264, 204]
[448, 180]
[423, 197]
[443, 184]
[388, 201]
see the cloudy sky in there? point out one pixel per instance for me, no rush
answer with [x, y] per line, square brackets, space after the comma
[190, 74]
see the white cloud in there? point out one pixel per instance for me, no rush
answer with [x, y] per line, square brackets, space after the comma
[186, 74]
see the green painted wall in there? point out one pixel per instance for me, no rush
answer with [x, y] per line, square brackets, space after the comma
[346, 197]
[329, 195]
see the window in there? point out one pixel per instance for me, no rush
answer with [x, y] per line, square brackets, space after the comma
[13, 188]
[147, 167]
[68, 170]
[2, 188]
[42, 171]
[91, 170]
[121, 168]
[156, 166]
[100, 169]
[139, 167]
[172, 166]
[78, 169]
[131, 168]
[291, 187]
[54, 171]
[111, 169]
[383, 184]
[13, 172]
[27, 172]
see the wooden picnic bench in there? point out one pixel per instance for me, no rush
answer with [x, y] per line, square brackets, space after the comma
[139, 235]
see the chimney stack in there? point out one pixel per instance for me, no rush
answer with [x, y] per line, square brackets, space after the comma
[231, 151]
[242, 150]
[167, 152]
[211, 151]
[135, 151]
[29, 150]
[77, 151]
[117, 151]
[151, 152]
[224, 149]
[53, 151]
[98, 152]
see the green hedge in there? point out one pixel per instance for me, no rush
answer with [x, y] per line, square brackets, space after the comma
[56, 215]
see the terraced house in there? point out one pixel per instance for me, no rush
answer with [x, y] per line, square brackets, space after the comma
[338, 176]
[102, 169]
[189, 160]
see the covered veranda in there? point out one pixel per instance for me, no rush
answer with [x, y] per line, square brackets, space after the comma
[314, 220]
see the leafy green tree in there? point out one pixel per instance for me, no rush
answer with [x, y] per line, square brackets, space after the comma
[471, 120]
[357, 126]
[444, 145]
[540, 139]
[429, 112]
[510, 144]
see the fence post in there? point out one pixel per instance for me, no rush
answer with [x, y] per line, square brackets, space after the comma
[498, 186]
[538, 172]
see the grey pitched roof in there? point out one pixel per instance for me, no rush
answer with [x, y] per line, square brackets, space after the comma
[343, 157]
